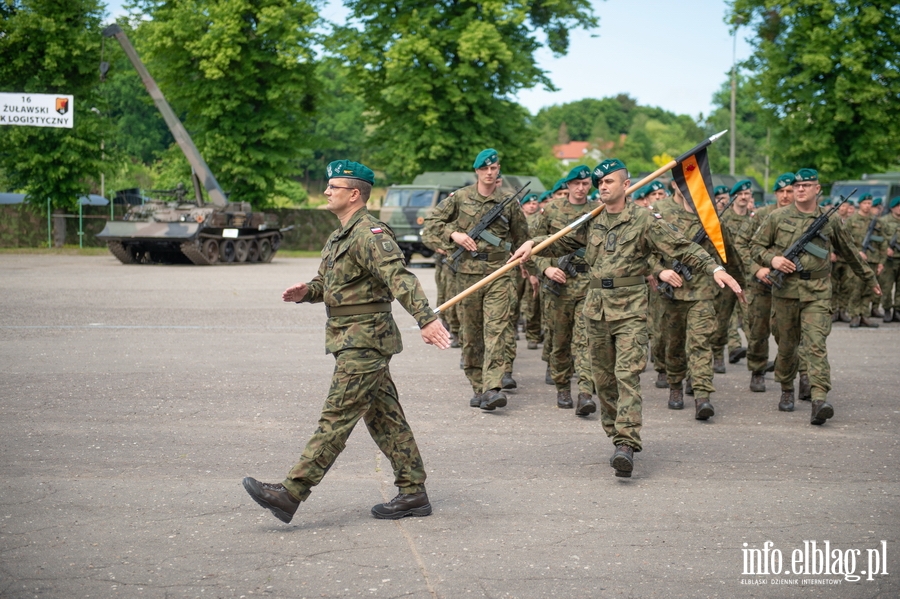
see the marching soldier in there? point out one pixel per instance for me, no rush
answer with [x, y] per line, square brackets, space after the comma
[890, 276]
[362, 272]
[861, 297]
[527, 283]
[619, 243]
[802, 306]
[484, 315]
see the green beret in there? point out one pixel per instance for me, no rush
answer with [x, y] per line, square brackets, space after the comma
[345, 169]
[561, 184]
[894, 203]
[655, 186]
[825, 202]
[783, 181]
[486, 158]
[740, 186]
[578, 173]
[531, 197]
[640, 193]
[604, 168]
[719, 189]
[594, 195]
[876, 202]
[545, 196]
[863, 198]
[807, 174]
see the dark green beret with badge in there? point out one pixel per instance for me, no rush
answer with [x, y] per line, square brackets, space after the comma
[561, 184]
[806, 174]
[876, 202]
[864, 197]
[486, 158]
[545, 196]
[894, 203]
[578, 173]
[740, 186]
[531, 197]
[604, 168]
[346, 169]
[785, 180]
[719, 189]
[655, 186]
[640, 193]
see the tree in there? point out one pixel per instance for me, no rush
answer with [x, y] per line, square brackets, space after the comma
[52, 47]
[242, 74]
[438, 78]
[829, 72]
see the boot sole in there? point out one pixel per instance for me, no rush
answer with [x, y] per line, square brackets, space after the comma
[676, 406]
[825, 412]
[740, 355]
[660, 385]
[499, 402]
[586, 410]
[622, 464]
[277, 512]
[705, 413]
[425, 510]
[785, 408]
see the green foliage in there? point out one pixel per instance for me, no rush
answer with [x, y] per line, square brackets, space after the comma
[52, 47]
[437, 78]
[242, 74]
[829, 72]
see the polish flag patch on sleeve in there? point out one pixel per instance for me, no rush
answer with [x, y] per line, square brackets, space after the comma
[377, 230]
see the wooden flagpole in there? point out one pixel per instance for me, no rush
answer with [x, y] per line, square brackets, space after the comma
[572, 226]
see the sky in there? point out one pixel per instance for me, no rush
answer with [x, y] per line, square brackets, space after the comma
[673, 55]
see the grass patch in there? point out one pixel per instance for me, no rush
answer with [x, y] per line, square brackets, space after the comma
[67, 250]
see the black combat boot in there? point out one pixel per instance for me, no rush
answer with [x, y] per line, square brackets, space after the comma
[868, 322]
[757, 382]
[623, 461]
[661, 382]
[585, 405]
[547, 378]
[821, 411]
[888, 315]
[507, 381]
[475, 402]
[896, 315]
[492, 399]
[676, 398]
[786, 404]
[803, 391]
[703, 410]
[854, 322]
[564, 399]
[736, 355]
[404, 504]
[273, 497]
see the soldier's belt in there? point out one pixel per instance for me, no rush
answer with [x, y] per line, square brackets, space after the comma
[489, 256]
[816, 274]
[617, 282]
[581, 267]
[357, 309]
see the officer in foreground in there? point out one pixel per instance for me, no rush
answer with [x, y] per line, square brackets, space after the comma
[361, 273]
[619, 244]
[802, 306]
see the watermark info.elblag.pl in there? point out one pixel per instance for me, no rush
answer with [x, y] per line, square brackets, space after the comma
[815, 563]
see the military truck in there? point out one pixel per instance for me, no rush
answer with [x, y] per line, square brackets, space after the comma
[405, 206]
[182, 230]
[880, 185]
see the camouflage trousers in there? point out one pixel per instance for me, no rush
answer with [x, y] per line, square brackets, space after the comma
[361, 387]
[445, 280]
[738, 320]
[487, 333]
[724, 305]
[569, 350]
[529, 309]
[618, 355]
[655, 316]
[758, 326]
[862, 296]
[889, 281]
[841, 285]
[689, 326]
[544, 299]
[803, 331]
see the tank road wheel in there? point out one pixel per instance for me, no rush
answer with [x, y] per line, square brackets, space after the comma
[276, 242]
[241, 250]
[265, 250]
[211, 250]
[125, 254]
[226, 251]
[253, 250]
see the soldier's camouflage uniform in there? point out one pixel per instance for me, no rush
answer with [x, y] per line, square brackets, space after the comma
[485, 314]
[531, 304]
[802, 307]
[657, 308]
[690, 317]
[362, 269]
[861, 294]
[726, 303]
[564, 313]
[444, 280]
[890, 276]
[619, 247]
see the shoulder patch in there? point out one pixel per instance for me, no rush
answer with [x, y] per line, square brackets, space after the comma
[376, 230]
[387, 245]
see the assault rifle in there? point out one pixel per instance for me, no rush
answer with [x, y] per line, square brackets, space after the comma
[565, 265]
[801, 246]
[870, 234]
[683, 270]
[480, 229]
[893, 245]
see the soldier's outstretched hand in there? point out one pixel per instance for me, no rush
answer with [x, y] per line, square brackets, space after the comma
[723, 278]
[435, 334]
[295, 293]
[523, 253]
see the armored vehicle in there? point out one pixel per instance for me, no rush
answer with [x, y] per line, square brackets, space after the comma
[879, 185]
[405, 206]
[179, 230]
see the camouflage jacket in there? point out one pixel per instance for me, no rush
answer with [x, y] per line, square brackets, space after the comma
[666, 206]
[559, 214]
[890, 226]
[462, 211]
[362, 264]
[856, 226]
[742, 244]
[784, 226]
[701, 286]
[619, 245]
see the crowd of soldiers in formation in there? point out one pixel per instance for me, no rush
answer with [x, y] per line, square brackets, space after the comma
[549, 293]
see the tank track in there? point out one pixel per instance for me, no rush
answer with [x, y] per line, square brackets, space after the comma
[118, 250]
[192, 250]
